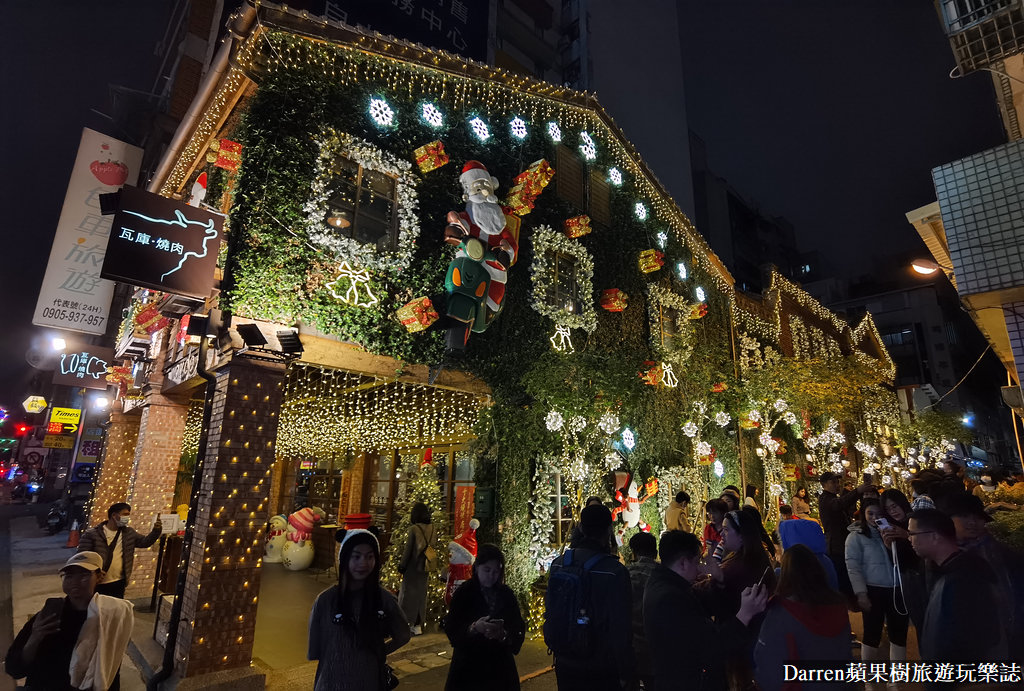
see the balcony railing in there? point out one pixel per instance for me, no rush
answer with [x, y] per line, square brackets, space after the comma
[982, 32]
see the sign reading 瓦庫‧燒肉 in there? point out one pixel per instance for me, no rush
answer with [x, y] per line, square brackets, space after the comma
[163, 244]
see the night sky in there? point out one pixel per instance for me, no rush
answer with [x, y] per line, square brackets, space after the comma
[828, 113]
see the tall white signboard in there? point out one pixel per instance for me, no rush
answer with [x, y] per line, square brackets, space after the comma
[73, 296]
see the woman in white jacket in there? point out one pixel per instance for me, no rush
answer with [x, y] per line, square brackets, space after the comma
[871, 574]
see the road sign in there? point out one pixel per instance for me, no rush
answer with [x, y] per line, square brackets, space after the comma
[34, 404]
[66, 416]
[59, 441]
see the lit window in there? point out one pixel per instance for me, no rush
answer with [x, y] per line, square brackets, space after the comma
[362, 204]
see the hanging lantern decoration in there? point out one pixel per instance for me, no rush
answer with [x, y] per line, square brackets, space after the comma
[150, 320]
[578, 226]
[651, 260]
[430, 156]
[614, 300]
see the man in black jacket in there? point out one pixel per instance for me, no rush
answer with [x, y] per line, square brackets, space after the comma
[687, 647]
[611, 665]
[835, 512]
[116, 543]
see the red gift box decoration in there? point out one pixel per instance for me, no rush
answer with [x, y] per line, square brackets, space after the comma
[431, 156]
[151, 320]
[614, 300]
[578, 226]
[698, 310]
[651, 260]
[527, 186]
[229, 155]
[417, 315]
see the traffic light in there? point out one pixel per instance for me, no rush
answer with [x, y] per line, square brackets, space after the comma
[21, 429]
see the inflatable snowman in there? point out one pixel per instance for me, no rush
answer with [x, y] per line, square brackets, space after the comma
[297, 552]
[276, 538]
[461, 555]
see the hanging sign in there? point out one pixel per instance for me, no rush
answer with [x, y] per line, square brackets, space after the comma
[66, 416]
[74, 296]
[85, 367]
[163, 244]
[34, 404]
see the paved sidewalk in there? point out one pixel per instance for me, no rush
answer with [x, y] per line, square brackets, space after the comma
[35, 560]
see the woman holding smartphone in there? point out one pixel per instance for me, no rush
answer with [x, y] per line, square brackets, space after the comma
[871, 575]
[485, 628]
[910, 570]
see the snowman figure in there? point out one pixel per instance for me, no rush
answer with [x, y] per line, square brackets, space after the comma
[297, 552]
[276, 537]
[461, 555]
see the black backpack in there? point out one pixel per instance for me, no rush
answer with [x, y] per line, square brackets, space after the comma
[567, 624]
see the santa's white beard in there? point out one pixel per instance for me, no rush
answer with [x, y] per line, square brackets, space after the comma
[486, 214]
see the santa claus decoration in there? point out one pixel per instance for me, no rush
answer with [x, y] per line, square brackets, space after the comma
[484, 219]
[461, 555]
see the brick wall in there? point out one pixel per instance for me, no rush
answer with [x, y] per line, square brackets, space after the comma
[115, 471]
[220, 602]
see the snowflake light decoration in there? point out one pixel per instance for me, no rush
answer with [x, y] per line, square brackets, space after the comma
[866, 449]
[722, 419]
[681, 271]
[518, 128]
[615, 176]
[837, 467]
[612, 460]
[480, 129]
[719, 469]
[554, 131]
[780, 405]
[381, 112]
[628, 439]
[768, 443]
[640, 210]
[704, 449]
[789, 418]
[661, 238]
[609, 423]
[587, 146]
[775, 489]
[554, 421]
[886, 479]
[906, 475]
[577, 424]
[690, 429]
[431, 115]
[701, 295]
[754, 415]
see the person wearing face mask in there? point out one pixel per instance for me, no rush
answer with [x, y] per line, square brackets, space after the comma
[115, 541]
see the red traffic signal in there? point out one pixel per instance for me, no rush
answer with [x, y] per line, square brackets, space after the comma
[21, 429]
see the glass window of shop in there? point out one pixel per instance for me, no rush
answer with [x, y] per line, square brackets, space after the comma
[318, 482]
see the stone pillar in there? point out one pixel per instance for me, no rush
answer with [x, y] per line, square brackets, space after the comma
[219, 606]
[155, 468]
[115, 471]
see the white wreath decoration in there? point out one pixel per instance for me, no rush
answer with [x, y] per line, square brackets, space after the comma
[658, 296]
[545, 241]
[333, 144]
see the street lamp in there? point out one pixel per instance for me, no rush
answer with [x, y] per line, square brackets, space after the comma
[926, 267]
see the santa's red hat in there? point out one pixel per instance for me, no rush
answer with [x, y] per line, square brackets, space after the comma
[475, 170]
[465, 544]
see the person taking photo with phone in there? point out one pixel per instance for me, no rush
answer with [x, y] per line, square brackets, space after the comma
[871, 575]
[77, 641]
[485, 627]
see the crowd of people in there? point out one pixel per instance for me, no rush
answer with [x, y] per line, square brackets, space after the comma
[718, 606]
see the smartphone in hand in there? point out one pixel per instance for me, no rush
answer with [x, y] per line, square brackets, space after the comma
[52, 607]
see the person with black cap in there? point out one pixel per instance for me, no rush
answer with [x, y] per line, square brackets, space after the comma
[355, 624]
[835, 513]
[971, 522]
[77, 641]
[588, 609]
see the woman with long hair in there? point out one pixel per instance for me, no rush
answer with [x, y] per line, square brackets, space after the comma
[910, 582]
[871, 575]
[801, 503]
[485, 628]
[751, 498]
[412, 595]
[806, 620]
[355, 624]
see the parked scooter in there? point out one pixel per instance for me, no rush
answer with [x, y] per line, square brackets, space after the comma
[57, 518]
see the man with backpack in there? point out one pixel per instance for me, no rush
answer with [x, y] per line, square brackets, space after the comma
[588, 610]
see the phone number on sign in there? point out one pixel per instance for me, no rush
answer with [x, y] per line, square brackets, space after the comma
[73, 316]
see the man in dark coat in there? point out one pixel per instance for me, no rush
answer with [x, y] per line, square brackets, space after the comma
[835, 512]
[687, 647]
[116, 543]
[611, 665]
[961, 621]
